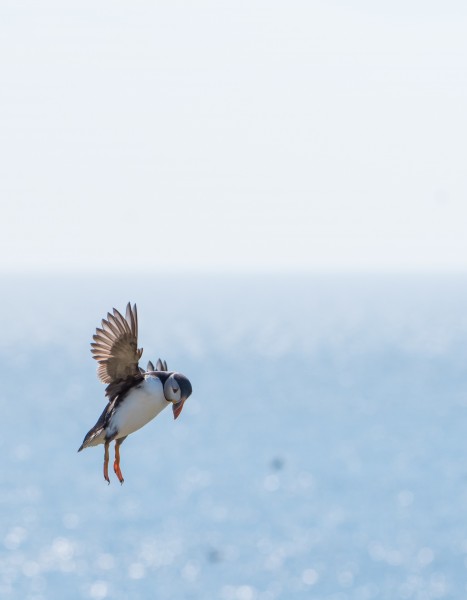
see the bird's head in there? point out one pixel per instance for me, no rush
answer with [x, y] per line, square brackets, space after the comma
[177, 388]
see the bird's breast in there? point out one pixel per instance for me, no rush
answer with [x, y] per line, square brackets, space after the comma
[140, 405]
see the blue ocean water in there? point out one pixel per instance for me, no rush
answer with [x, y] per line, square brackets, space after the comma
[321, 455]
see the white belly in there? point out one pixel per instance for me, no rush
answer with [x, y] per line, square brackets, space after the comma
[139, 407]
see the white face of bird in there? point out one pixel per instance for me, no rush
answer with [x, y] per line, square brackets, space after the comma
[172, 391]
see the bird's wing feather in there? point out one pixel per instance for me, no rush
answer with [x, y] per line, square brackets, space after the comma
[115, 346]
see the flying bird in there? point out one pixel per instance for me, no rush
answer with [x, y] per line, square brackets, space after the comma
[135, 396]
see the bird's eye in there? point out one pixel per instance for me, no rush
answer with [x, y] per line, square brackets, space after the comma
[175, 389]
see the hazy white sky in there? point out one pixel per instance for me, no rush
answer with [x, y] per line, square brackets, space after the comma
[245, 134]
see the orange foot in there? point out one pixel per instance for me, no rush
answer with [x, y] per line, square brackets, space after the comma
[106, 462]
[118, 473]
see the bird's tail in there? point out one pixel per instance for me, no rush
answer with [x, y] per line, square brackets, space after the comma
[93, 437]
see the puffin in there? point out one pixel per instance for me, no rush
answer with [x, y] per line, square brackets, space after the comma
[135, 396]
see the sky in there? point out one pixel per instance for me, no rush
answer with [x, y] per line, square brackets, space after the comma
[319, 135]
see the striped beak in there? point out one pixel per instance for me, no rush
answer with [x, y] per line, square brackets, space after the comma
[177, 407]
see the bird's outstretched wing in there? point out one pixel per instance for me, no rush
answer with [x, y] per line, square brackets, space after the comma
[115, 346]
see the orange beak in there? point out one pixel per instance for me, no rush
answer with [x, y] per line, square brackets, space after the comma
[177, 407]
